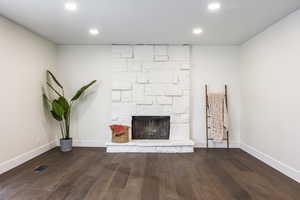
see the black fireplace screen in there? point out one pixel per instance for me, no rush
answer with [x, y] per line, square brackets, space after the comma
[150, 127]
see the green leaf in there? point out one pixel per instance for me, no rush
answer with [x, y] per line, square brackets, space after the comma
[55, 80]
[64, 103]
[57, 109]
[52, 88]
[81, 90]
[55, 116]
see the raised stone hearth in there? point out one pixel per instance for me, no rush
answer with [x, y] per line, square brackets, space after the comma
[152, 80]
[152, 146]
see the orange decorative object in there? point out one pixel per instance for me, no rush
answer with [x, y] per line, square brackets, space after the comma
[119, 133]
[118, 129]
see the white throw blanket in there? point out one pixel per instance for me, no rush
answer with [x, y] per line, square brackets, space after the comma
[218, 121]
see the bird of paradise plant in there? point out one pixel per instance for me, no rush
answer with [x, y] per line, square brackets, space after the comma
[60, 107]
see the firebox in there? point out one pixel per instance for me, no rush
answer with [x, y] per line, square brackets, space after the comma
[150, 127]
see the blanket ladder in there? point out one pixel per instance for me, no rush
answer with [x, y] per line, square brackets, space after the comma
[206, 113]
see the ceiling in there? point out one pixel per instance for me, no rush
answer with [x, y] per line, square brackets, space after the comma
[147, 21]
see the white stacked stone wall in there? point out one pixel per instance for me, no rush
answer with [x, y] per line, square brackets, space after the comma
[150, 80]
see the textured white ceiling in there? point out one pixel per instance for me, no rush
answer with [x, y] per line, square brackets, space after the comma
[147, 21]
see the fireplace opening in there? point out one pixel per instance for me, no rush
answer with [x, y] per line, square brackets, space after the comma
[150, 127]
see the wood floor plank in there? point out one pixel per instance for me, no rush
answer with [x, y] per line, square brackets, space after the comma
[97, 191]
[183, 177]
[137, 162]
[25, 173]
[248, 179]
[166, 179]
[92, 174]
[209, 182]
[31, 194]
[228, 181]
[150, 187]
[81, 187]
[269, 182]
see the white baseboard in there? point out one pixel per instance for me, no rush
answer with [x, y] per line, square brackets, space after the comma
[88, 143]
[217, 145]
[276, 164]
[16, 161]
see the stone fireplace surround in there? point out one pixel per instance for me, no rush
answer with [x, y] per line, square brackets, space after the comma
[152, 80]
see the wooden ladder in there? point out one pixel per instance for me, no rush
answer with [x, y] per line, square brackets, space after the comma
[206, 113]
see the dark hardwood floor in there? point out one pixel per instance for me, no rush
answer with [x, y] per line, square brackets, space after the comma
[90, 174]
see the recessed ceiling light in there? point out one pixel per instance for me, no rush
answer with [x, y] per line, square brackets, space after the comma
[197, 31]
[94, 31]
[215, 6]
[70, 6]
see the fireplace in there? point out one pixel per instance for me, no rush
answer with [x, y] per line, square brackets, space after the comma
[152, 96]
[150, 127]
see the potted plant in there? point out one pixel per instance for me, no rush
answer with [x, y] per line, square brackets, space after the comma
[60, 108]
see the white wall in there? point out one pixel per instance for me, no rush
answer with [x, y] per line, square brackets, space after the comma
[77, 65]
[25, 131]
[80, 64]
[215, 66]
[271, 95]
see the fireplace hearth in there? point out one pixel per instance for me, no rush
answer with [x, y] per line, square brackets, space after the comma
[150, 127]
